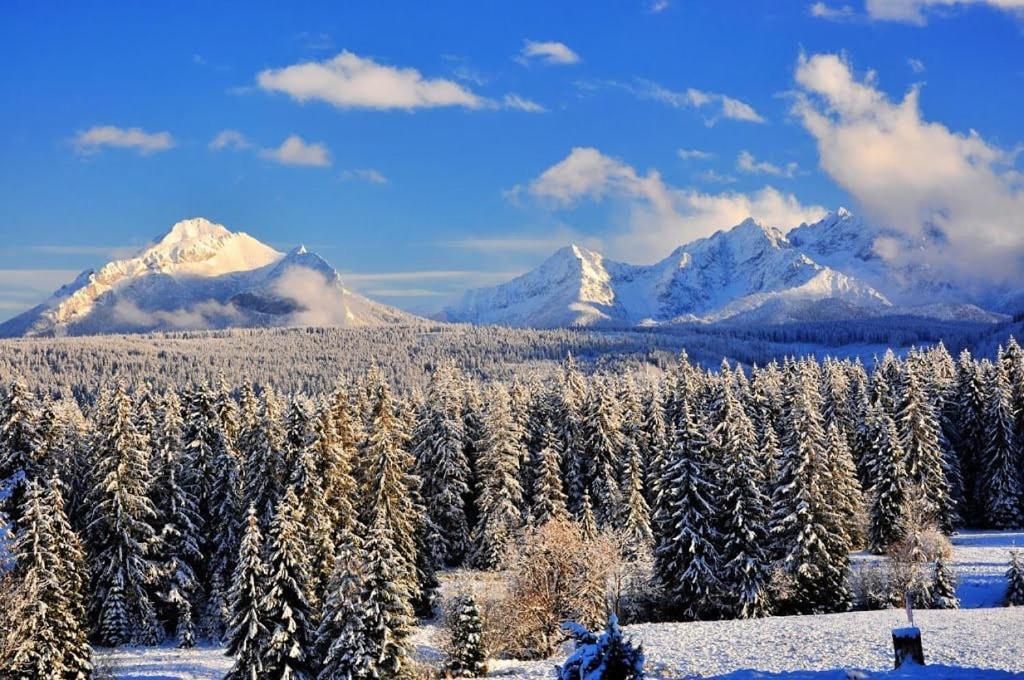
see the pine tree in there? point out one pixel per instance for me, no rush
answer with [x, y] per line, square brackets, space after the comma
[843, 489]
[549, 501]
[603, 443]
[223, 532]
[341, 643]
[745, 566]
[608, 656]
[468, 656]
[1015, 580]
[1000, 481]
[501, 497]
[387, 617]
[120, 530]
[335, 441]
[19, 447]
[247, 629]
[262, 446]
[587, 522]
[284, 650]
[970, 414]
[888, 495]
[44, 635]
[920, 437]
[442, 465]
[943, 587]
[636, 514]
[688, 561]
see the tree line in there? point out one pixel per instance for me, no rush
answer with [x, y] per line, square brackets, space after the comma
[305, 531]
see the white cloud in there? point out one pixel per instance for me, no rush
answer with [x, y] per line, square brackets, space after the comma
[916, 65]
[370, 175]
[658, 217]
[838, 13]
[145, 143]
[550, 52]
[514, 101]
[350, 81]
[915, 11]
[295, 151]
[229, 139]
[914, 175]
[694, 154]
[715, 177]
[658, 6]
[720, 105]
[746, 162]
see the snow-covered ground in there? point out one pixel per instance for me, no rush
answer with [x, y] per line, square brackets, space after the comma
[985, 641]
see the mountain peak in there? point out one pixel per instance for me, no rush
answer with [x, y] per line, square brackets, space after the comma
[193, 229]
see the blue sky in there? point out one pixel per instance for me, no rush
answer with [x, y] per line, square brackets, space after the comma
[426, 147]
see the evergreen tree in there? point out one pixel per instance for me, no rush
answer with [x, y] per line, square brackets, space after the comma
[501, 497]
[442, 465]
[387, 617]
[468, 656]
[688, 561]
[843, 488]
[970, 406]
[888, 495]
[247, 629]
[636, 514]
[262, 445]
[120, 530]
[44, 635]
[549, 501]
[284, 652]
[745, 566]
[603, 443]
[19, 448]
[1015, 580]
[920, 437]
[1000, 480]
[341, 643]
[608, 656]
[587, 522]
[943, 587]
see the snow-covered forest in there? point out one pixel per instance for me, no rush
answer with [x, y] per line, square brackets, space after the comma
[306, 523]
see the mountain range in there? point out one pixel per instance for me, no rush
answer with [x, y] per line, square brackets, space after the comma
[750, 273]
[200, 275]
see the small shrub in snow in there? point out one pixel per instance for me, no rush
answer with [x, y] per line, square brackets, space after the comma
[467, 655]
[608, 656]
[1015, 580]
[944, 587]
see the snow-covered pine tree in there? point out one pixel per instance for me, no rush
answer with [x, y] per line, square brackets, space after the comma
[43, 636]
[920, 437]
[222, 533]
[1015, 580]
[387, 616]
[969, 418]
[468, 656]
[635, 514]
[176, 548]
[568, 418]
[654, 440]
[336, 439]
[18, 448]
[341, 647]
[603, 444]
[473, 426]
[808, 532]
[687, 561]
[262, 452]
[587, 521]
[608, 656]
[284, 650]
[744, 539]
[120, 531]
[549, 501]
[501, 497]
[843, 488]
[443, 468]
[943, 587]
[1000, 475]
[247, 627]
[888, 496]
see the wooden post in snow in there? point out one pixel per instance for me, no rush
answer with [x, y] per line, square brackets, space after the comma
[906, 642]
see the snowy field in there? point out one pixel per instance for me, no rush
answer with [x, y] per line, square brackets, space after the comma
[985, 641]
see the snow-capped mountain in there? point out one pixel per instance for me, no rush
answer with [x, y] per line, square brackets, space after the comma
[200, 275]
[750, 270]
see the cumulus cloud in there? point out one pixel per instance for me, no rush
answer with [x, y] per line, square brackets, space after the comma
[369, 175]
[549, 52]
[349, 81]
[321, 301]
[295, 151]
[229, 139]
[658, 217]
[914, 175]
[145, 143]
[209, 314]
[836, 13]
[916, 11]
[746, 162]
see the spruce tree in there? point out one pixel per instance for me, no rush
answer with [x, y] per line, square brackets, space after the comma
[943, 587]
[635, 513]
[501, 497]
[548, 498]
[468, 656]
[341, 644]
[262, 446]
[247, 629]
[284, 652]
[120, 531]
[1015, 580]
[1000, 476]
[387, 616]
[889, 494]
[19, 448]
[920, 437]
[603, 443]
